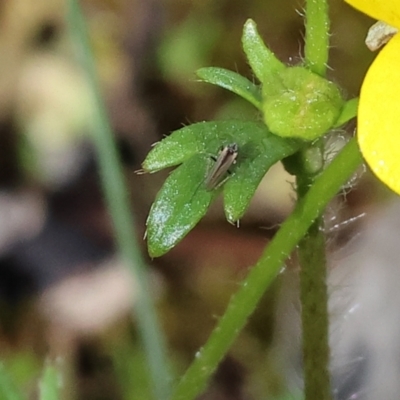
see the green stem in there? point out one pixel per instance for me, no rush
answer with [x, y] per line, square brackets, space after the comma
[117, 200]
[314, 314]
[243, 303]
[313, 289]
[317, 36]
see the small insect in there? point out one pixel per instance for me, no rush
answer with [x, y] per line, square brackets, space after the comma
[226, 158]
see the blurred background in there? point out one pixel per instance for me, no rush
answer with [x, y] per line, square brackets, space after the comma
[63, 292]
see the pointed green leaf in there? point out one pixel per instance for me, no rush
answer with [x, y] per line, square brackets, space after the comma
[232, 81]
[203, 137]
[349, 111]
[253, 163]
[174, 149]
[183, 200]
[260, 57]
[179, 205]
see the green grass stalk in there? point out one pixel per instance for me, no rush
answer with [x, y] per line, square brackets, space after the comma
[116, 195]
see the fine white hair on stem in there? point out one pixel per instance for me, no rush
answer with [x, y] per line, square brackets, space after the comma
[344, 224]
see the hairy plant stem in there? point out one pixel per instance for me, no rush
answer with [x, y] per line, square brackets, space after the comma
[317, 36]
[313, 289]
[116, 195]
[311, 251]
[314, 314]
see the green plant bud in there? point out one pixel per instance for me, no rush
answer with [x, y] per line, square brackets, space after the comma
[300, 104]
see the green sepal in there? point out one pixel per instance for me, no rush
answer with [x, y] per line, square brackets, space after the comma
[261, 59]
[348, 112]
[233, 82]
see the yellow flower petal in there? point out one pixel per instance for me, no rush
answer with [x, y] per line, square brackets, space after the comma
[384, 10]
[379, 115]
